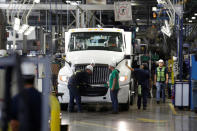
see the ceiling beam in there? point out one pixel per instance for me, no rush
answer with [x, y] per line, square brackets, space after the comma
[60, 6]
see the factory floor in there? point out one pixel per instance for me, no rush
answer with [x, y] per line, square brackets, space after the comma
[157, 117]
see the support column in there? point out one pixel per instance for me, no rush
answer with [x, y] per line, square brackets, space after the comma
[78, 18]
[2, 31]
[53, 39]
[24, 44]
[42, 39]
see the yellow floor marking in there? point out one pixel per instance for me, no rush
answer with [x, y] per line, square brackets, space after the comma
[151, 120]
[93, 124]
[172, 109]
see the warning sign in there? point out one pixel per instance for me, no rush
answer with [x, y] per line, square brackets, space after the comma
[122, 11]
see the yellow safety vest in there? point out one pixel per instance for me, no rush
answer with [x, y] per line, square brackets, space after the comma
[161, 74]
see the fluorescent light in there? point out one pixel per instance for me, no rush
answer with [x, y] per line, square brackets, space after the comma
[23, 28]
[195, 14]
[74, 3]
[160, 2]
[137, 19]
[68, 1]
[29, 30]
[190, 21]
[137, 29]
[193, 18]
[37, 1]
[154, 8]
[16, 24]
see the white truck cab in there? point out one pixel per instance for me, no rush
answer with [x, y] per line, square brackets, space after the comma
[100, 46]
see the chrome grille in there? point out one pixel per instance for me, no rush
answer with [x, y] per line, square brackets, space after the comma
[100, 74]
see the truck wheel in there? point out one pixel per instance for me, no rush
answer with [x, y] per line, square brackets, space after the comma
[131, 99]
[125, 107]
[64, 106]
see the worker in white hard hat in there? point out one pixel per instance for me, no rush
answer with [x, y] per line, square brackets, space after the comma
[161, 80]
[76, 83]
[31, 98]
[114, 87]
[3, 52]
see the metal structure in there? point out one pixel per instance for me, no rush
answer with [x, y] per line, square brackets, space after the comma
[14, 61]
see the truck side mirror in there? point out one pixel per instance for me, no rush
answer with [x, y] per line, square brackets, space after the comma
[127, 57]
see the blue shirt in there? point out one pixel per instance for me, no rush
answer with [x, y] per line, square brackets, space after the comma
[33, 100]
[142, 76]
[80, 77]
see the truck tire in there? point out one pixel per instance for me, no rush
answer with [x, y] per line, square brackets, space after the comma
[64, 106]
[125, 107]
[131, 99]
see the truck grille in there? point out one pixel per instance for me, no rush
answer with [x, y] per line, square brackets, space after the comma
[100, 74]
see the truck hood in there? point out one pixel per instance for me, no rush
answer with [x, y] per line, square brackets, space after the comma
[94, 56]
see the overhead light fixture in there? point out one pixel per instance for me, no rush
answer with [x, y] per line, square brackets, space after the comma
[154, 8]
[137, 19]
[160, 1]
[37, 1]
[16, 24]
[23, 28]
[137, 29]
[29, 30]
[195, 14]
[193, 18]
[190, 21]
[74, 3]
[68, 1]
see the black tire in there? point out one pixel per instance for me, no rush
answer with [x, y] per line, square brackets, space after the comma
[131, 99]
[64, 106]
[125, 107]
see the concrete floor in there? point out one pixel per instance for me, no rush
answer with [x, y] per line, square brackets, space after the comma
[156, 118]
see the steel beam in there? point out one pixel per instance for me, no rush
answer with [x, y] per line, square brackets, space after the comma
[56, 7]
[63, 6]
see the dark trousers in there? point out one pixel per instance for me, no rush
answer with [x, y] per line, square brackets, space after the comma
[74, 94]
[114, 99]
[143, 96]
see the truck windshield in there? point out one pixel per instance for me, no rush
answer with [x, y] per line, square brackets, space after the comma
[110, 41]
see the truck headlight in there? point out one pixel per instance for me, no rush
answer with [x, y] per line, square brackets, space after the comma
[123, 78]
[64, 78]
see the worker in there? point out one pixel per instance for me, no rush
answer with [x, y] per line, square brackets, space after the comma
[114, 87]
[160, 80]
[142, 76]
[77, 81]
[33, 101]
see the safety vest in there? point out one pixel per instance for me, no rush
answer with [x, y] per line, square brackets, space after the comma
[161, 74]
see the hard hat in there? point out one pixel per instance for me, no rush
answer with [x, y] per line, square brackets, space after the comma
[28, 69]
[174, 58]
[3, 52]
[113, 64]
[89, 67]
[160, 61]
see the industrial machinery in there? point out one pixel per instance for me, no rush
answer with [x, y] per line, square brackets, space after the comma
[99, 46]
